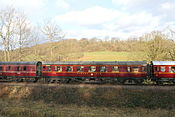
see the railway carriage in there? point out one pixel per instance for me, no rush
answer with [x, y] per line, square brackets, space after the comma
[122, 72]
[116, 71]
[163, 71]
[19, 71]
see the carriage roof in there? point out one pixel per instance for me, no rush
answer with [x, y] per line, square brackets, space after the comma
[19, 63]
[163, 62]
[96, 63]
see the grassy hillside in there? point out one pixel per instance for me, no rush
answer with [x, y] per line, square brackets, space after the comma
[112, 56]
[92, 50]
[78, 50]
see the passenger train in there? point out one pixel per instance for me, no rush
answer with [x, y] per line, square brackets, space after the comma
[117, 72]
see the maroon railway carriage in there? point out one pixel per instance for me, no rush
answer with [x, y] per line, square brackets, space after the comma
[19, 71]
[116, 71]
[163, 71]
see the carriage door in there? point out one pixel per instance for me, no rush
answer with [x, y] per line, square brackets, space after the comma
[39, 69]
[156, 71]
[1, 71]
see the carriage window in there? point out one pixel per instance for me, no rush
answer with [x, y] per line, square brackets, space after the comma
[172, 69]
[9, 67]
[129, 69]
[135, 69]
[69, 68]
[103, 69]
[18, 68]
[49, 68]
[156, 69]
[58, 68]
[80, 68]
[143, 69]
[162, 69]
[92, 68]
[115, 69]
[25, 68]
[0, 68]
[44, 68]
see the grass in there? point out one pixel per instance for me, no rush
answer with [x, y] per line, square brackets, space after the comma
[13, 108]
[113, 56]
[97, 101]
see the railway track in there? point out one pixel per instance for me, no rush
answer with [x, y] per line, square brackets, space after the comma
[134, 87]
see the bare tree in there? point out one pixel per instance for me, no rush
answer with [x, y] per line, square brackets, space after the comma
[7, 22]
[157, 46]
[14, 31]
[53, 33]
[171, 36]
[23, 33]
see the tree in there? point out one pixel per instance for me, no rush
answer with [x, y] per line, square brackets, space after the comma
[7, 30]
[53, 33]
[171, 36]
[14, 31]
[157, 46]
[23, 33]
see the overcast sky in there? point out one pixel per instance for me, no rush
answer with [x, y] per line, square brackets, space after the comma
[100, 18]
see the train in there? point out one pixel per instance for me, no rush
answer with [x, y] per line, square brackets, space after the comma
[116, 72]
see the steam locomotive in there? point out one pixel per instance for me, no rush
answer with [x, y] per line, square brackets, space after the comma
[120, 72]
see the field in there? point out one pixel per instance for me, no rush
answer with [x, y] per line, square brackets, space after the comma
[83, 101]
[113, 56]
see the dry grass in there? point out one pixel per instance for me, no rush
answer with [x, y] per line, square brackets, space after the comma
[112, 56]
[12, 108]
[55, 101]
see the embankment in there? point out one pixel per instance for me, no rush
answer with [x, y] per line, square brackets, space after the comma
[120, 96]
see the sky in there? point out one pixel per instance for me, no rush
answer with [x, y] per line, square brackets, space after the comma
[100, 18]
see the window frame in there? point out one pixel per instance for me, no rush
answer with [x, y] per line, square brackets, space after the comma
[1, 68]
[128, 69]
[58, 68]
[156, 69]
[135, 69]
[25, 68]
[103, 69]
[69, 68]
[18, 68]
[79, 68]
[162, 68]
[115, 68]
[170, 69]
[49, 68]
[92, 69]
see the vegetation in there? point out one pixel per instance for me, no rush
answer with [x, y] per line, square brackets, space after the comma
[20, 41]
[112, 56]
[82, 101]
[154, 46]
[12, 108]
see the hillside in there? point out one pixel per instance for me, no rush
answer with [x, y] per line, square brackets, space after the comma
[78, 50]
[95, 50]
[112, 56]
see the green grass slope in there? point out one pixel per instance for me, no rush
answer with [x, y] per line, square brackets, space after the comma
[112, 56]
